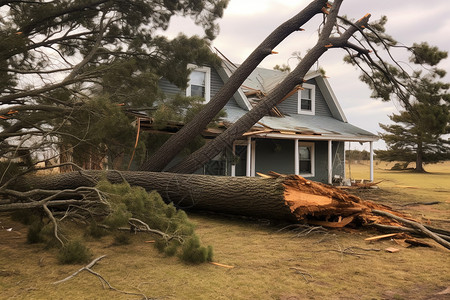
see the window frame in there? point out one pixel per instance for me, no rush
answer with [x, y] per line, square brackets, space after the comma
[207, 71]
[313, 160]
[313, 100]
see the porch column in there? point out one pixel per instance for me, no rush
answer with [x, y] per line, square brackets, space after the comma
[330, 161]
[249, 157]
[345, 163]
[233, 165]
[296, 158]
[371, 161]
[253, 163]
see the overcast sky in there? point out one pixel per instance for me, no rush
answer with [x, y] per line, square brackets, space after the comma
[247, 22]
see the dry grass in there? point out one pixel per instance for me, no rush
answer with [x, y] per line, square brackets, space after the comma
[267, 263]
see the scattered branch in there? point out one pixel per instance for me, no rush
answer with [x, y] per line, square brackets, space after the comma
[302, 272]
[102, 279]
[415, 225]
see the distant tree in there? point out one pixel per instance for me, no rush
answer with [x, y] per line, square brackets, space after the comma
[357, 155]
[282, 68]
[419, 129]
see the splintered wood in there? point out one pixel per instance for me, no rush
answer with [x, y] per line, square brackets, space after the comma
[327, 206]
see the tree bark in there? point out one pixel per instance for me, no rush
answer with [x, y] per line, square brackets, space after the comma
[233, 195]
[162, 157]
[289, 198]
[419, 158]
[211, 149]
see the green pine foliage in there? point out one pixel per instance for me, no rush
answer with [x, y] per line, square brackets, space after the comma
[71, 69]
[74, 252]
[418, 132]
[34, 234]
[127, 201]
[194, 253]
[121, 239]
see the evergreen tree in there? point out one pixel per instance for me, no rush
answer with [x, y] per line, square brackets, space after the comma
[66, 65]
[417, 134]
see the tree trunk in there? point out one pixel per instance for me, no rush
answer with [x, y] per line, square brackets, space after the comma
[162, 157]
[419, 158]
[211, 149]
[288, 198]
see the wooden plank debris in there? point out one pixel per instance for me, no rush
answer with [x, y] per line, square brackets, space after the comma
[392, 250]
[379, 237]
[222, 265]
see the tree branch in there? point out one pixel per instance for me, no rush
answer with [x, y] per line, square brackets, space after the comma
[416, 225]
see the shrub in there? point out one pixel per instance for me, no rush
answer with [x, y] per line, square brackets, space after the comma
[192, 252]
[95, 231]
[74, 252]
[34, 234]
[121, 239]
[127, 201]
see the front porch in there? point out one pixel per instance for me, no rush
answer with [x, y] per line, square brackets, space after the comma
[314, 157]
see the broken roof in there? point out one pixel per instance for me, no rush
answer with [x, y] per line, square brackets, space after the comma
[304, 125]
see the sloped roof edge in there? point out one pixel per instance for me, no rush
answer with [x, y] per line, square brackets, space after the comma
[239, 96]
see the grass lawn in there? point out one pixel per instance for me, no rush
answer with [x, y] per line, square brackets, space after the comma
[268, 264]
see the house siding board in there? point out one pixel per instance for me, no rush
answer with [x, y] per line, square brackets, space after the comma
[274, 155]
[322, 108]
[290, 105]
[216, 82]
[169, 89]
[321, 161]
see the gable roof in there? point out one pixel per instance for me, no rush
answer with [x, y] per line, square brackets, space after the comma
[308, 126]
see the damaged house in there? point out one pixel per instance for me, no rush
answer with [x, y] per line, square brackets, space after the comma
[304, 134]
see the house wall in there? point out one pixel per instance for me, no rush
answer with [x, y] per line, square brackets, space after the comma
[169, 88]
[274, 155]
[290, 105]
[321, 160]
[278, 155]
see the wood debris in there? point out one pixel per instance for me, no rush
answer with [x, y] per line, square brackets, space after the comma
[392, 250]
[379, 237]
[222, 265]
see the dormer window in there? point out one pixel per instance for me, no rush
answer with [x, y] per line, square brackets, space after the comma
[199, 82]
[306, 99]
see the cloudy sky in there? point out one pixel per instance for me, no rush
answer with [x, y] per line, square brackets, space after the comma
[247, 22]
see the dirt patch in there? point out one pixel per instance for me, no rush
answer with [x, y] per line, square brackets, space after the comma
[12, 234]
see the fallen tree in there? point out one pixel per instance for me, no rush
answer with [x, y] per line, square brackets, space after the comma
[289, 198]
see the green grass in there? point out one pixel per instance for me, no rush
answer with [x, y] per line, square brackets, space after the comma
[265, 260]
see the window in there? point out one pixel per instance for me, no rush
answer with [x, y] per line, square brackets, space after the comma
[306, 159]
[306, 101]
[199, 82]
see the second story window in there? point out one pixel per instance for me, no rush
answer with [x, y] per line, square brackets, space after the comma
[306, 101]
[199, 82]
